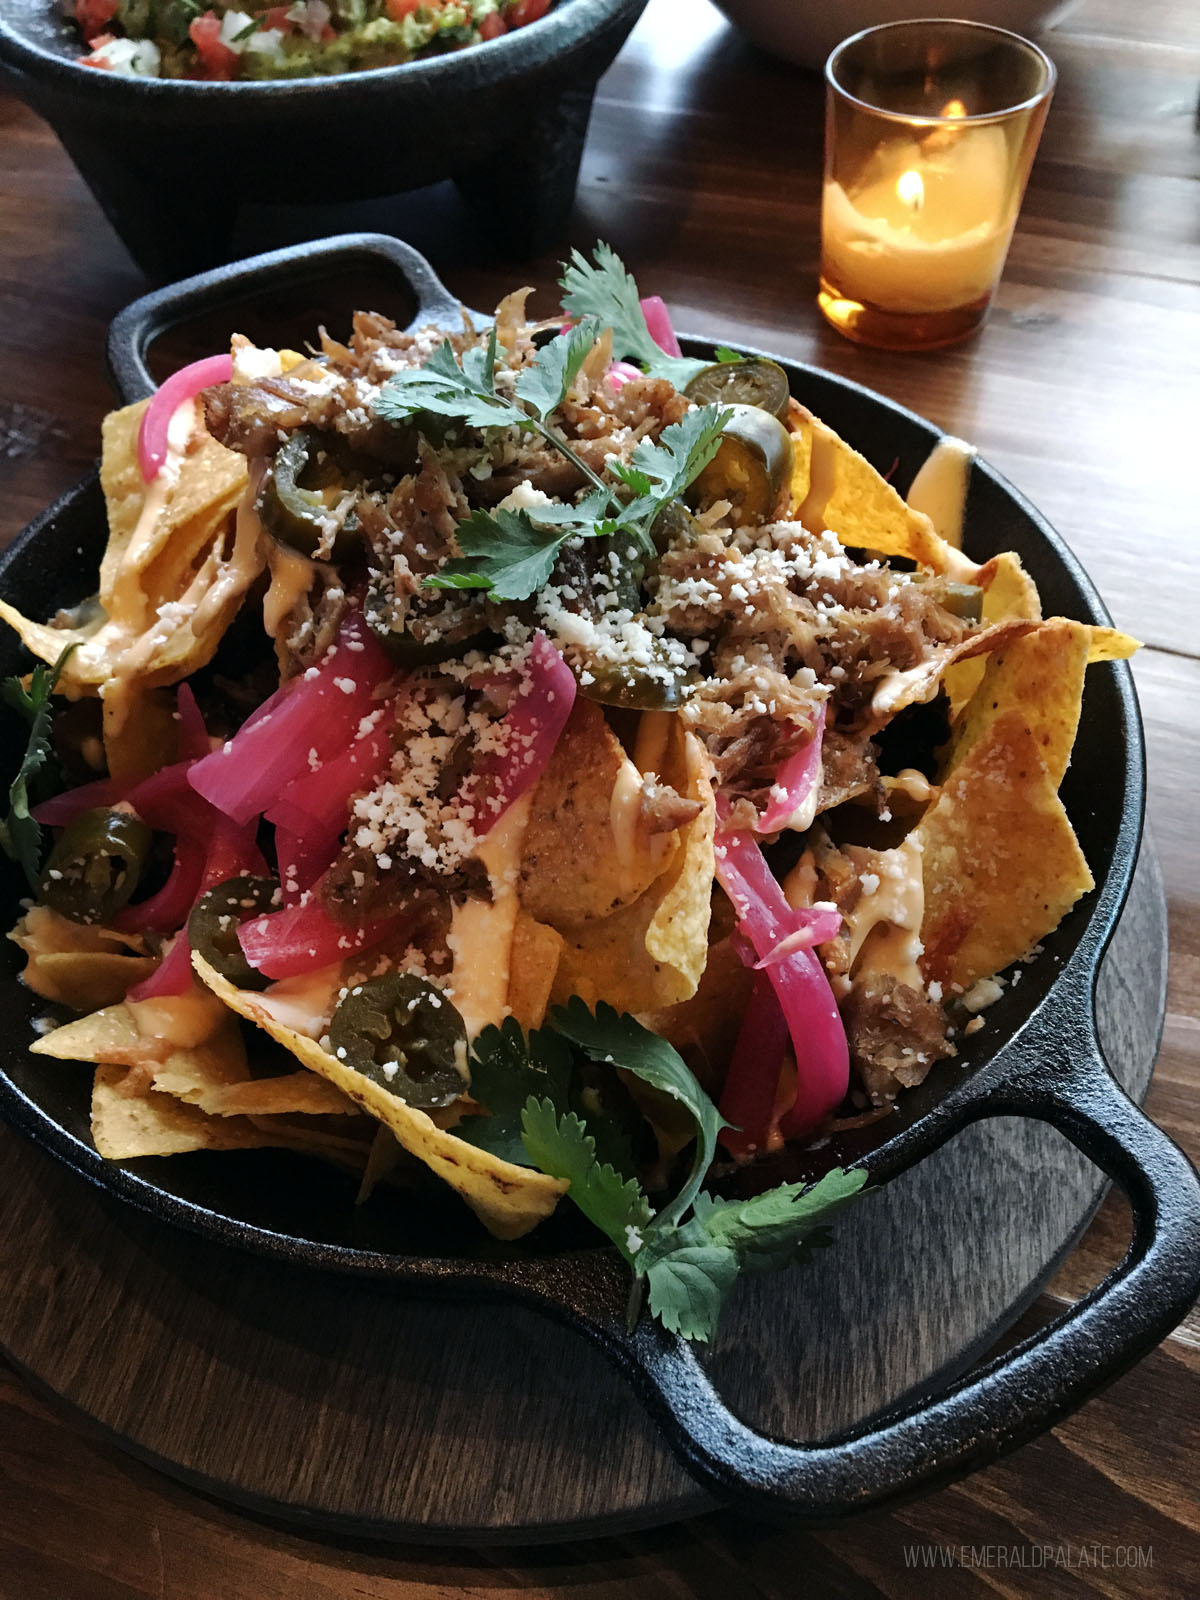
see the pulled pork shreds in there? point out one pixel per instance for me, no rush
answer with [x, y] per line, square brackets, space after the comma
[760, 630]
[895, 1032]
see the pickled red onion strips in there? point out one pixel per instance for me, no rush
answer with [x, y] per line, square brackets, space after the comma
[183, 385]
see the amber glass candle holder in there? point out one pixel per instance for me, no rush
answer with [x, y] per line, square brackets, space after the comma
[931, 129]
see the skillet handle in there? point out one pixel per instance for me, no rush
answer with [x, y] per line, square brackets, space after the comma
[992, 1409]
[135, 329]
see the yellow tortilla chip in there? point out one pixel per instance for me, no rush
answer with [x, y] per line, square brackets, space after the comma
[1040, 677]
[652, 953]
[507, 1199]
[532, 963]
[141, 1122]
[919, 684]
[586, 851]
[169, 586]
[1110, 644]
[1008, 592]
[77, 965]
[110, 1035]
[210, 483]
[1001, 864]
[846, 495]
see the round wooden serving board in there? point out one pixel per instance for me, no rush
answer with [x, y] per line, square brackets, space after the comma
[354, 1408]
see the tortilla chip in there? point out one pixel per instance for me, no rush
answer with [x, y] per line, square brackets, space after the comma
[586, 852]
[919, 684]
[1001, 864]
[705, 1027]
[508, 1200]
[78, 965]
[211, 481]
[145, 1123]
[1039, 676]
[652, 953]
[532, 963]
[382, 1160]
[846, 495]
[109, 1035]
[1008, 592]
[1110, 644]
[188, 1075]
[167, 591]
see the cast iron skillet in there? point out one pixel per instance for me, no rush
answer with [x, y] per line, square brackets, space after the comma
[1048, 1064]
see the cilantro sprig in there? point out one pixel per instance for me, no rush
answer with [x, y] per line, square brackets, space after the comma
[605, 289]
[511, 554]
[20, 835]
[688, 1256]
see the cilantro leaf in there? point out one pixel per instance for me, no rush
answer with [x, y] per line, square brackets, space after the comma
[725, 355]
[688, 1283]
[467, 392]
[512, 558]
[620, 1039]
[562, 1147]
[608, 292]
[782, 1225]
[20, 835]
[691, 1269]
[683, 450]
[505, 1073]
[543, 385]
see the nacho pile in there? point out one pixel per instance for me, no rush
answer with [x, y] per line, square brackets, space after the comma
[486, 763]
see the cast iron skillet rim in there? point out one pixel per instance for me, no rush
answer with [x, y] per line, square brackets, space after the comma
[570, 26]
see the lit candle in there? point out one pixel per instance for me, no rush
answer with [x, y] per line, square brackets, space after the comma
[926, 227]
[931, 131]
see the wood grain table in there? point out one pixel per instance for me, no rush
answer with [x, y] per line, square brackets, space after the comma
[702, 169]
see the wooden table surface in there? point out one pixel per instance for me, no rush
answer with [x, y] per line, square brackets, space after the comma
[702, 169]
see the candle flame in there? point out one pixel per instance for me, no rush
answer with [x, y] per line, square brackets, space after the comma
[953, 108]
[910, 189]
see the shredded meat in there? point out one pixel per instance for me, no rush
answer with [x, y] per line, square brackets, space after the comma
[896, 1033]
[750, 725]
[848, 769]
[664, 809]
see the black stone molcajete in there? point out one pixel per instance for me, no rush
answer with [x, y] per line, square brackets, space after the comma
[171, 161]
[1039, 1056]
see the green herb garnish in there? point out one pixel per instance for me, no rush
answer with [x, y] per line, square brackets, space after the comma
[685, 1263]
[511, 554]
[607, 291]
[20, 835]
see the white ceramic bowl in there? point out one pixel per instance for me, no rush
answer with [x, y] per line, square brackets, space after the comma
[805, 31]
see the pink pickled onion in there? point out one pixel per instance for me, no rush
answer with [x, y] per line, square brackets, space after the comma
[156, 419]
[532, 725]
[795, 783]
[300, 727]
[658, 321]
[193, 735]
[230, 851]
[825, 924]
[799, 980]
[305, 938]
[752, 1082]
[63, 808]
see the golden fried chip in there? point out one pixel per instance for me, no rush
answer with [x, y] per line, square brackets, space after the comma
[1008, 592]
[846, 495]
[1039, 676]
[110, 1035]
[181, 554]
[587, 849]
[531, 968]
[508, 1200]
[1001, 864]
[652, 953]
[76, 964]
[141, 1122]
[919, 684]
[1109, 644]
